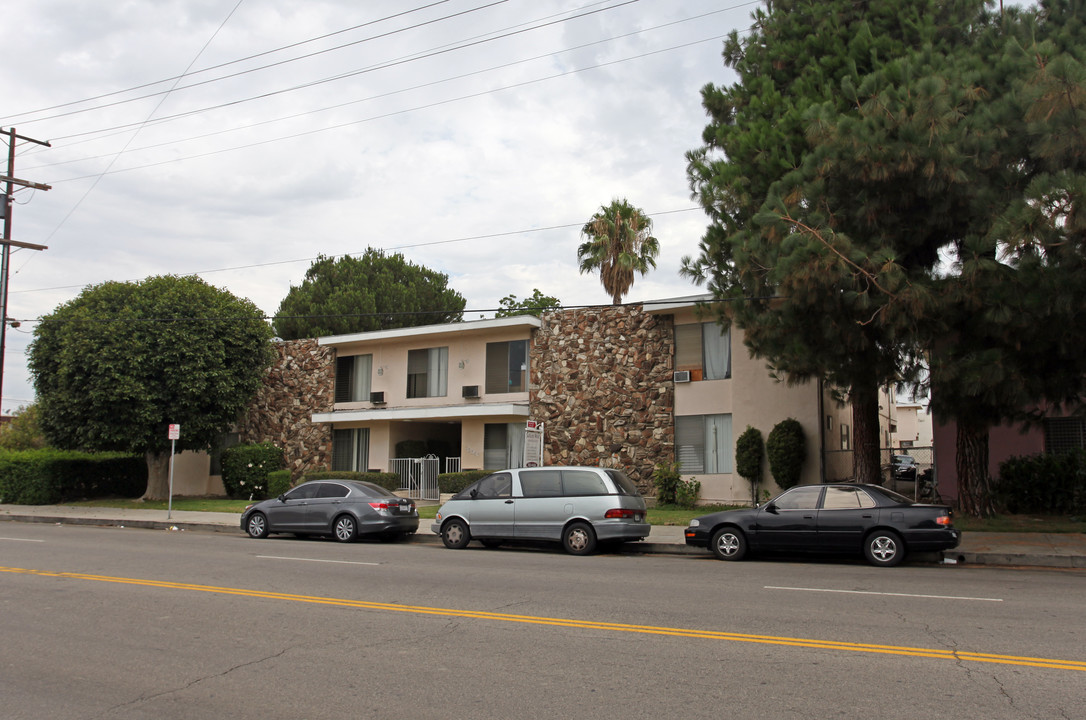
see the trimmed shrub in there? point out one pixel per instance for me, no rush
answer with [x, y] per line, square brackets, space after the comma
[278, 482]
[49, 476]
[1043, 484]
[666, 479]
[388, 480]
[455, 482]
[245, 469]
[786, 449]
[749, 449]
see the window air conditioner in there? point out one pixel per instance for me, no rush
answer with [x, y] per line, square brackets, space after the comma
[682, 376]
[377, 398]
[471, 391]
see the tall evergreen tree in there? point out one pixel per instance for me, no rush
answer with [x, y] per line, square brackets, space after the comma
[807, 267]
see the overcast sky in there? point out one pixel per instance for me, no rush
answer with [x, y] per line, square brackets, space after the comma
[240, 140]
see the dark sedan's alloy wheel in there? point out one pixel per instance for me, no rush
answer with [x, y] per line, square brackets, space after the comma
[884, 548]
[345, 528]
[455, 535]
[579, 539]
[257, 526]
[729, 544]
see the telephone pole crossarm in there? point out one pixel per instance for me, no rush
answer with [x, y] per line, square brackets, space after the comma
[25, 183]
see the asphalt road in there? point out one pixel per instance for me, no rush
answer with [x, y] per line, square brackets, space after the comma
[130, 623]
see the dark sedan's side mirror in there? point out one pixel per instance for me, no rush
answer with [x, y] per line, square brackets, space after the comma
[283, 497]
[771, 508]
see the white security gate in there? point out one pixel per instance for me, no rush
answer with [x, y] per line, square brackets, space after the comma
[418, 476]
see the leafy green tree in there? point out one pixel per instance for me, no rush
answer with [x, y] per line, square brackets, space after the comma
[534, 305]
[359, 294]
[119, 363]
[796, 243]
[22, 432]
[618, 243]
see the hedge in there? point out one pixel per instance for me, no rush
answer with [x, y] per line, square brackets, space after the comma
[49, 476]
[1044, 484]
[245, 469]
[452, 483]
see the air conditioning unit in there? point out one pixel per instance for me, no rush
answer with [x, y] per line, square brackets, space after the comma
[471, 391]
[377, 398]
[682, 376]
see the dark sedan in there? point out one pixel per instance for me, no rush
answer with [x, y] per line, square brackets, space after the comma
[844, 518]
[343, 509]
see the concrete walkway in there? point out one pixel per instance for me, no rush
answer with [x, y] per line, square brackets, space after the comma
[1062, 550]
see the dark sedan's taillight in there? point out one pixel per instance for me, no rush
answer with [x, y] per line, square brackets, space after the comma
[944, 520]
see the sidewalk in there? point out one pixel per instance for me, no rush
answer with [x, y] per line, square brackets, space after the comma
[1060, 550]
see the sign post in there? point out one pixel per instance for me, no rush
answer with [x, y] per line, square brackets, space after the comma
[174, 434]
[533, 444]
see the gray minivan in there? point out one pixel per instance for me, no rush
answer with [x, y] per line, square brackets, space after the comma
[577, 506]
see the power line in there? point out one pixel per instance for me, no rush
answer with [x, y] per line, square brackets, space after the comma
[488, 236]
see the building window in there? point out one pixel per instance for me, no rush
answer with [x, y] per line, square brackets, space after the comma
[1064, 434]
[503, 445]
[704, 443]
[351, 450]
[705, 349]
[846, 439]
[428, 372]
[353, 378]
[829, 422]
[507, 366]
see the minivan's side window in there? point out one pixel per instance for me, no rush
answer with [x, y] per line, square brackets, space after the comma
[541, 483]
[493, 486]
[582, 482]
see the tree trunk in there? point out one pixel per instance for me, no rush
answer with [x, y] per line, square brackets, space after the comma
[866, 462]
[158, 476]
[971, 464]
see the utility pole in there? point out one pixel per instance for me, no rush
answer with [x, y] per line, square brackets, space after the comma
[6, 242]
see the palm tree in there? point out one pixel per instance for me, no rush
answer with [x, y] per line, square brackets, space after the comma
[618, 244]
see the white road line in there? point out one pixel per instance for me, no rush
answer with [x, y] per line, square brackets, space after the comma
[870, 592]
[340, 562]
[20, 539]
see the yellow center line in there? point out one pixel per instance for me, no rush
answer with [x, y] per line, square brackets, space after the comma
[960, 655]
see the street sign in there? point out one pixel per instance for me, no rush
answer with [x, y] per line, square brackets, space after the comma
[175, 432]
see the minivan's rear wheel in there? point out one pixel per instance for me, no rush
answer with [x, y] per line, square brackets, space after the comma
[884, 548]
[729, 543]
[345, 528]
[579, 539]
[455, 534]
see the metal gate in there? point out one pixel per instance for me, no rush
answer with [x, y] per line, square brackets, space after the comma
[418, 476]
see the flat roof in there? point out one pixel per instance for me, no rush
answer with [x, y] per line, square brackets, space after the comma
[529, 322]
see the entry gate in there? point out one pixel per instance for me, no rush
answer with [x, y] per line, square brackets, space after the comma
[418, 476]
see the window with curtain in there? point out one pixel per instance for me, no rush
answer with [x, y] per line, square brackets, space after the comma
[704, 443]
[351, 450]
[503, 445]
[507, 366]
[428, 372]
[353, 378]
[705, 347]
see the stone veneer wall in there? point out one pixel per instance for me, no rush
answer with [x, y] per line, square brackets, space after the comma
[601, 382]
[299, 383]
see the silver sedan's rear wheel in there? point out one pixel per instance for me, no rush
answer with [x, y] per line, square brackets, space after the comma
[345, 528]
[729, 543]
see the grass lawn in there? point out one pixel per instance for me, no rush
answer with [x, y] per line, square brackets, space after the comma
[663, 515]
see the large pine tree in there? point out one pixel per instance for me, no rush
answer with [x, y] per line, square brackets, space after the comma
[818, 284]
